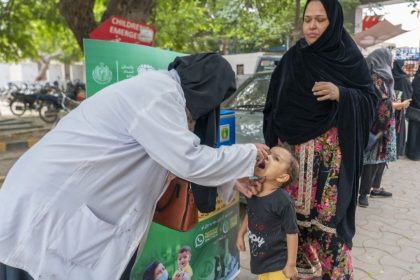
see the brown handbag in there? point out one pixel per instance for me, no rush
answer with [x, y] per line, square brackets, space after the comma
[176, 208]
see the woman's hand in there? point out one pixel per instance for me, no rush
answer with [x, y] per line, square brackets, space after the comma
[406, 103]
[326, 91]
[401, 105]
[262, 152]
[248, 187]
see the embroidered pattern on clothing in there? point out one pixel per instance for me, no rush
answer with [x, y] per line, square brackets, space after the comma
[305, 178]
[318, 224]
[321, 253]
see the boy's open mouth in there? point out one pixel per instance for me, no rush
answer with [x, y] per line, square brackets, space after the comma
[261, 165]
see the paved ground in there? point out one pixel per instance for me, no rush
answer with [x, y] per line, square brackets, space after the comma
[387, 242]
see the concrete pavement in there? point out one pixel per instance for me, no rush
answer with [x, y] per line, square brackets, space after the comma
[387, 241]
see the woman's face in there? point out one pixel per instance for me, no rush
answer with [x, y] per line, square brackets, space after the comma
[160, 272]
[315, 21]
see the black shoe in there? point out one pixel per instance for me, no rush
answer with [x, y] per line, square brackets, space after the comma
[363, 201]
[380, 193]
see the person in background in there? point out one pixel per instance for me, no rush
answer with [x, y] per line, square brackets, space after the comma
[403, 91]
[321, 100]
[413, 116]
[82, 199]
[384, 148]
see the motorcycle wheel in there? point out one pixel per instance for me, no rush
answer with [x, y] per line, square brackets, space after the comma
[48, 111]
[17, 107]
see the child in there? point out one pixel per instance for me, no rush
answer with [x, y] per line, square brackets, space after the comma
[271, 219]
[184, 270]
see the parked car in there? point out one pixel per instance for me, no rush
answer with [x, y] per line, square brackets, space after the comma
[267, 63]
[248, 103]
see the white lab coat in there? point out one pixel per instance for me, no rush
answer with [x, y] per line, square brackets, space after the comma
[78, 203]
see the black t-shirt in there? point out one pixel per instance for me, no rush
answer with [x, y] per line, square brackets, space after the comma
[270, 219]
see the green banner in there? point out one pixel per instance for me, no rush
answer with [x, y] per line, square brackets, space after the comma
[109, 62]
[209, 249]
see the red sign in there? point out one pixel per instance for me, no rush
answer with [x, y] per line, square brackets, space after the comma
[124, 30]
[370, 21]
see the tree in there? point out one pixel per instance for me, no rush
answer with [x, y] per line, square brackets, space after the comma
[33, 28]
[36, 29]
[80, 15]
[221, 25]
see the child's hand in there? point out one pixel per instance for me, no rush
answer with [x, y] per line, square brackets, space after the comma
[290, 271]
[240, 243]
[179, 275]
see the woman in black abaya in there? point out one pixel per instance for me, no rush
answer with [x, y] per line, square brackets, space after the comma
[321, 101]
[413, 116]
[403, 91]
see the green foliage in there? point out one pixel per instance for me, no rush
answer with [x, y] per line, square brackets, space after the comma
[348, 6]
[222, 25]
[15, 38]
[31, 28]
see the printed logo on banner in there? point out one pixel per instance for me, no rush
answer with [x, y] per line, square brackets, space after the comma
[143, 68]
[102, 74]
[199, 240]
[224, 132]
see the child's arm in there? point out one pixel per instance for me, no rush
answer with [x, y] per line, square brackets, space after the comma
[240, 240]
[290, 270]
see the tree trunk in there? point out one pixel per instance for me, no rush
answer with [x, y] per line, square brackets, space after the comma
[298, 24]
[135, 10]
[79, 17]
[44, 64]
[42, 70]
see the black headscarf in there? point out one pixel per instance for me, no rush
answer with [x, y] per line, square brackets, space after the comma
[415, 103]
[293, 115]
[397, 70]
[401, 80]
[380, 62]
[207, 80]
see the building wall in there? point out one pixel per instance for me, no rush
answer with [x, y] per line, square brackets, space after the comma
[28, 71]
[77, 72]
[55, 72]
[248, 60]
[4, 73]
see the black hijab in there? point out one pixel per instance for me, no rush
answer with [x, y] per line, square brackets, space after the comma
[380, 62]
[415, 103]
[293, 115]
[207, 80]
[334, 57]
[397, 70]
[401, 80]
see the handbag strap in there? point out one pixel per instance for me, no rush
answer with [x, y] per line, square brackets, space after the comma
[175, 192]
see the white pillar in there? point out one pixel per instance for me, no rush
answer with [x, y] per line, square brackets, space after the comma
[358, 19]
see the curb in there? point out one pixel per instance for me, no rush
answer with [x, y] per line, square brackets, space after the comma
[17, 145]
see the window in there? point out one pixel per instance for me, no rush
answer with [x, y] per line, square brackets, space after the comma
[240, 70]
